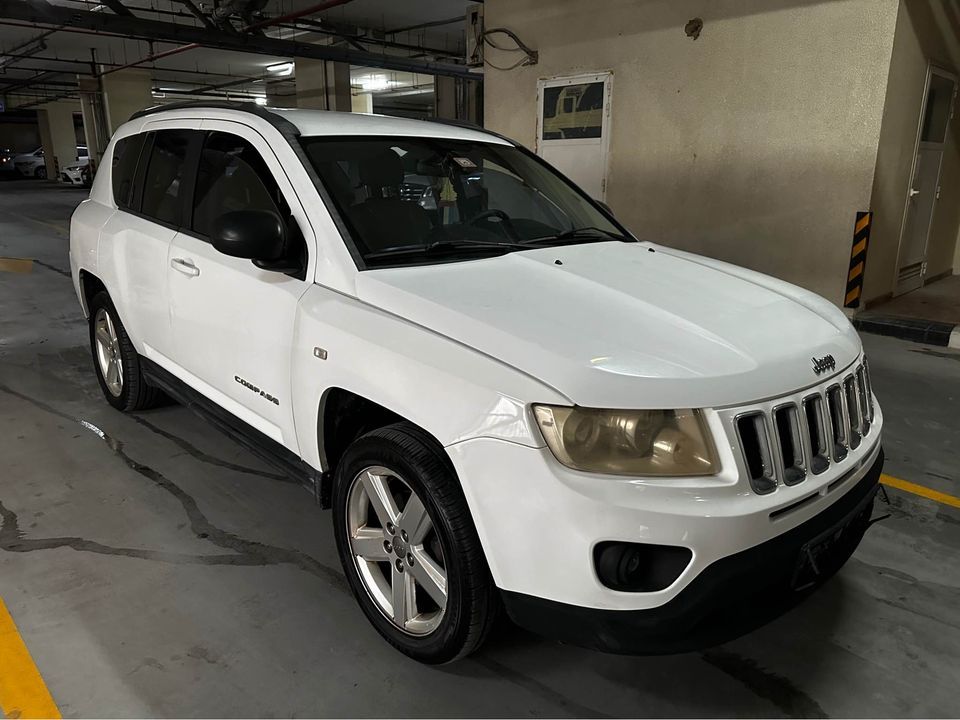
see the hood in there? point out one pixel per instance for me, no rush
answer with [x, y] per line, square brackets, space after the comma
[626, 325]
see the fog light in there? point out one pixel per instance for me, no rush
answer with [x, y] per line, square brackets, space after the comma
[635, 567]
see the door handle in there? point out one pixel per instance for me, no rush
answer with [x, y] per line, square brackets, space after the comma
[185, 266]
[914, 191]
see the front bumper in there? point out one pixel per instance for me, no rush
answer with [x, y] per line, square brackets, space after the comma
[729, 598]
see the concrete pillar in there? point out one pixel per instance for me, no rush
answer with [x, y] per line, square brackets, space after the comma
[58, 136]
[281, 94]
[94, 125]
[124, 93]
[323, 85]
[445, 97]
[361, 103]
[474, 99]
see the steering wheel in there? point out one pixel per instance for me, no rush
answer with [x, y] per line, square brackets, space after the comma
[508, 227]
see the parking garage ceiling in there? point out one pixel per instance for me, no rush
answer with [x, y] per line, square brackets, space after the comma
[45, 45]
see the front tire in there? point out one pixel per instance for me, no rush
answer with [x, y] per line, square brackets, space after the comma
[116, 361]
[408, 545]
[41, 173]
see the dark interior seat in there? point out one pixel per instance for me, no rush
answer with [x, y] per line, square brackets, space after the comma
[383, 219]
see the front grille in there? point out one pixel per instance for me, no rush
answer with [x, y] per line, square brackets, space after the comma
[795, 440]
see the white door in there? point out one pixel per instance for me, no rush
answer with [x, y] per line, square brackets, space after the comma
[233, 322]
[573, 128]
[924, 190]
[137, 237]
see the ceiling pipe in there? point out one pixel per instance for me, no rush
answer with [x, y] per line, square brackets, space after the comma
[313, 9]
[20, 13]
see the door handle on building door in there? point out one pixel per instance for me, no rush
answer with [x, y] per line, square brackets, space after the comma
[185, 266]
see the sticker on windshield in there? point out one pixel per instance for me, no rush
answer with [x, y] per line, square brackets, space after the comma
[465, 162]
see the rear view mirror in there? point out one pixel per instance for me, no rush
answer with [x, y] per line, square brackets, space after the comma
[257, 235]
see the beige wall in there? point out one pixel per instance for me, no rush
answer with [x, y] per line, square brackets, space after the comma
[924, 33]
[124, 93]
[755, 143]
[58, 135]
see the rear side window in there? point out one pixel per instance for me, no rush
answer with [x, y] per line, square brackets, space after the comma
[232, 176]
[163, 183]
[125, 155]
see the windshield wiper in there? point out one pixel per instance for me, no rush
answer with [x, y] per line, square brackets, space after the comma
[582, 233]
[442, 246]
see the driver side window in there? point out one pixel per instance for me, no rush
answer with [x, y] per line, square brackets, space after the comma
[232, 176]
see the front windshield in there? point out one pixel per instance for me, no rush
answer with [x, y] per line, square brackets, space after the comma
[411, 201]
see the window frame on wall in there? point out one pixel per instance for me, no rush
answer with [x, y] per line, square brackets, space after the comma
[603, 142]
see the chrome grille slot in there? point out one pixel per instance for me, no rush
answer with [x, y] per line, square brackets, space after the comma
[755, 444]
[869, 387]
[852, 403]
[817, 436]
[838, 423]
[786, 422]
[864, 400]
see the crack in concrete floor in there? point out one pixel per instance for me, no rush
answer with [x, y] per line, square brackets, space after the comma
[244, 552]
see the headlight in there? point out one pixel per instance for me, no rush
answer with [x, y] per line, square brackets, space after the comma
[629, 442]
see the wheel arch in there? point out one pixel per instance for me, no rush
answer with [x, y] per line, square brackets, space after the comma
[90, 285]
[342, 417]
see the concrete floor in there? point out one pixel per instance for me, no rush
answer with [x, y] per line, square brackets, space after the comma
[939, 301]
[162, 570]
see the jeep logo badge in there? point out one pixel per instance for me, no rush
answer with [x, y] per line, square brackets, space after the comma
[821, 365]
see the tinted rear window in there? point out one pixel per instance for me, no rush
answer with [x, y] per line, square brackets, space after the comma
[125, 156]
[163, 181]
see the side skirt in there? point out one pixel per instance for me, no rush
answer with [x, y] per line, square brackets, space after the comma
[265, 448]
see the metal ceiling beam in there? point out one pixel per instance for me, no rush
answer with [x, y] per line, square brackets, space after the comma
[118, 7]
[160, 31]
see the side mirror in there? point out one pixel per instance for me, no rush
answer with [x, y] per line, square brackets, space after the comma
[257, 235]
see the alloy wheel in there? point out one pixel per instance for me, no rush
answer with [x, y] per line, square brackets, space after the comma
[108, 352]
[398, 553]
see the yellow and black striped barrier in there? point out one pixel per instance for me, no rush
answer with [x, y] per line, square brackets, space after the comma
[858, 259]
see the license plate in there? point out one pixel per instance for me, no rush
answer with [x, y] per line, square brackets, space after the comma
[818, 555]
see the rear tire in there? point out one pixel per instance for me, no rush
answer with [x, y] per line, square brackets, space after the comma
[115, 360]
[447, 601]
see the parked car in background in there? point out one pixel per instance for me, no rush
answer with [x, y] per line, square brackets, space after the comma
[7, 166]
[31, 164]
[78, 173]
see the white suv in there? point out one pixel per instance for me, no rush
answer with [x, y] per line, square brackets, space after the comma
[506, 399]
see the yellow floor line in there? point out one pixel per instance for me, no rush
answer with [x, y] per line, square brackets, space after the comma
[17, 265]
[23, 694]
[920, 490]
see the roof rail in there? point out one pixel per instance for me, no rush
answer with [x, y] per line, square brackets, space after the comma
[277, 121]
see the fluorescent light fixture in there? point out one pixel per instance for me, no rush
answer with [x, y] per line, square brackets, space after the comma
[260, 100]
[158, 94]
[281, 69]
[375, 83]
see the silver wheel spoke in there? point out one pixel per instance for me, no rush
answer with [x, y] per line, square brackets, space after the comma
[103, 336]
[113, 372]
[379, 493]
[404, 597]
[415, 520]
[110, 328]
[430, 576]
[368, 544]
